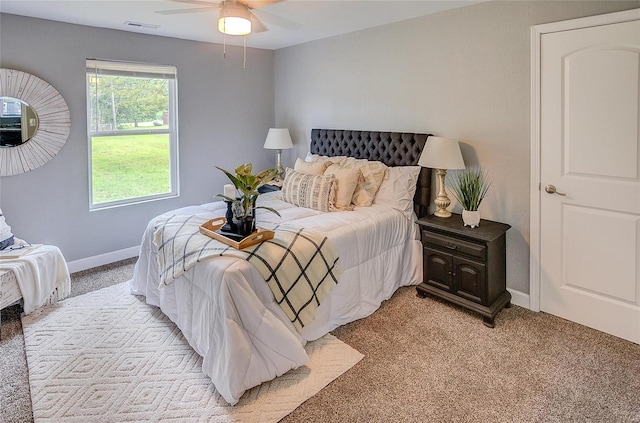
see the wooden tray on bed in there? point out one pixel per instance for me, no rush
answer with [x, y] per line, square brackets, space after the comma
[211, 228]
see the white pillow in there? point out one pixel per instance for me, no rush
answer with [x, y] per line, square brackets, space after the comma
[346, 181]
[398, 189]
[312, 168]
[6, 237]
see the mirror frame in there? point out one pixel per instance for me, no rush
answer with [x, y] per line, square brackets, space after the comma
[54, 122]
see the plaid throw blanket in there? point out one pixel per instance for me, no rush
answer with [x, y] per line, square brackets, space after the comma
[299, 265]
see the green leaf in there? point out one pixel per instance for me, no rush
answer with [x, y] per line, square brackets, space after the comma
[244, 169]
[233, 200]
[270, 209]
[236, 182]
[470, 187]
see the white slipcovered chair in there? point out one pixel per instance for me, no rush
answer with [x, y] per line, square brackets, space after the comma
[33, 275]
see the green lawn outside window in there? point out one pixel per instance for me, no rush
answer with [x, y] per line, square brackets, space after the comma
[130, 166]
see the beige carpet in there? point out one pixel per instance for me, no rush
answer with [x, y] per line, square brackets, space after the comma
[107, 356]
[427, 361]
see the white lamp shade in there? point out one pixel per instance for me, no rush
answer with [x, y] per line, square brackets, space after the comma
[278, 139]
[441, 153]
[234, 19]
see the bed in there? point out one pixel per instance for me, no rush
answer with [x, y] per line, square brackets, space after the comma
[225, 309]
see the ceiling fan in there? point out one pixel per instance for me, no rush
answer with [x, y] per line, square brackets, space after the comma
[236, 17]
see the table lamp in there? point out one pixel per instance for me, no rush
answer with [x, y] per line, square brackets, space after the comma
[278, 139]
[441, 154]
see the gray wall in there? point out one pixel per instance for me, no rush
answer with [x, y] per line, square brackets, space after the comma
[462, 73]
[224, 110]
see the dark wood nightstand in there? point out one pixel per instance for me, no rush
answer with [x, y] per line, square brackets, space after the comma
[268, 188]
[465, 266]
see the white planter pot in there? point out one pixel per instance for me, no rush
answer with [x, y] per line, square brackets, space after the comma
[471, 218]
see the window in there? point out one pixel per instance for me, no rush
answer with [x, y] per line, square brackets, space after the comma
[132, 132]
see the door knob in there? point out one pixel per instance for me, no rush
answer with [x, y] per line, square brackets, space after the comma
[551, 189]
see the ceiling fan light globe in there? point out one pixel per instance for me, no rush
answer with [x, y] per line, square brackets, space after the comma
[234, 20]
[234, 26]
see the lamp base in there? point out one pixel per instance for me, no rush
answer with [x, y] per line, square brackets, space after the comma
[279, 167]
[442, 201]
[442, 213]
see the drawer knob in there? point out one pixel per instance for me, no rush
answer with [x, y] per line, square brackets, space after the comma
[450, 245]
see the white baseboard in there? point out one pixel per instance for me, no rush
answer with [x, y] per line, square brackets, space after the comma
[519, 298]
[101, 259]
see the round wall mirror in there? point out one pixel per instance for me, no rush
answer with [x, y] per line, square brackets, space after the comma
[34, 122]
[18, 122]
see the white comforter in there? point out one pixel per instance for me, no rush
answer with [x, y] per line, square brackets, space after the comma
[227, 312]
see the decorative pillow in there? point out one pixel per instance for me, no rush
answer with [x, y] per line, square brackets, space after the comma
[346, 182]
[398, 189]
[334, 160]
[6, 237]
[373, 173]
[311, 191]
[313, 168]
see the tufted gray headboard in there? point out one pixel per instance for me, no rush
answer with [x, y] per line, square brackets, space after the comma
[391, 148]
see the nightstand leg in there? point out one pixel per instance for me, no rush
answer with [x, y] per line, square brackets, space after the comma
[508, 305]
[420, 293]
[488, 322]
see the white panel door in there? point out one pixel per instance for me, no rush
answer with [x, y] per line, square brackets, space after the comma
[590, 154]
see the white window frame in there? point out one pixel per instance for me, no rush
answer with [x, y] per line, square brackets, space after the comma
[133, 69]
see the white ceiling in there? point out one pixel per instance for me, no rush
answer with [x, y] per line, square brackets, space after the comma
[301, 20]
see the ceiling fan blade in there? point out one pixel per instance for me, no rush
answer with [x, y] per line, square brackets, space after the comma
[199, 2]
[272, 19]
[254, 4]
[190, 10]
[256, 24]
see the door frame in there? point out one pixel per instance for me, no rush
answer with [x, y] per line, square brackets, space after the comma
[537, 32]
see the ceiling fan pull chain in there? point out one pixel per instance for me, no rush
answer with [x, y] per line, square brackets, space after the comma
[244, 63]
[224, 46]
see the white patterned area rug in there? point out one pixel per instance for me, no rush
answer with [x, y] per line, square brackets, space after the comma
[107, 356]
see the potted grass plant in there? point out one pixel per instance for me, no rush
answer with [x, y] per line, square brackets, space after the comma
[247, 186]
[470, 187]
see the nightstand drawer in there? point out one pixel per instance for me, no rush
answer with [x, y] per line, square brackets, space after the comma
[450, 244]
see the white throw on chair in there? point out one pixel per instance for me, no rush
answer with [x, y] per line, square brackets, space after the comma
[36, 275]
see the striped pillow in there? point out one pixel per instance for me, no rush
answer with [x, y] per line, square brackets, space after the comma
[311, 191]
